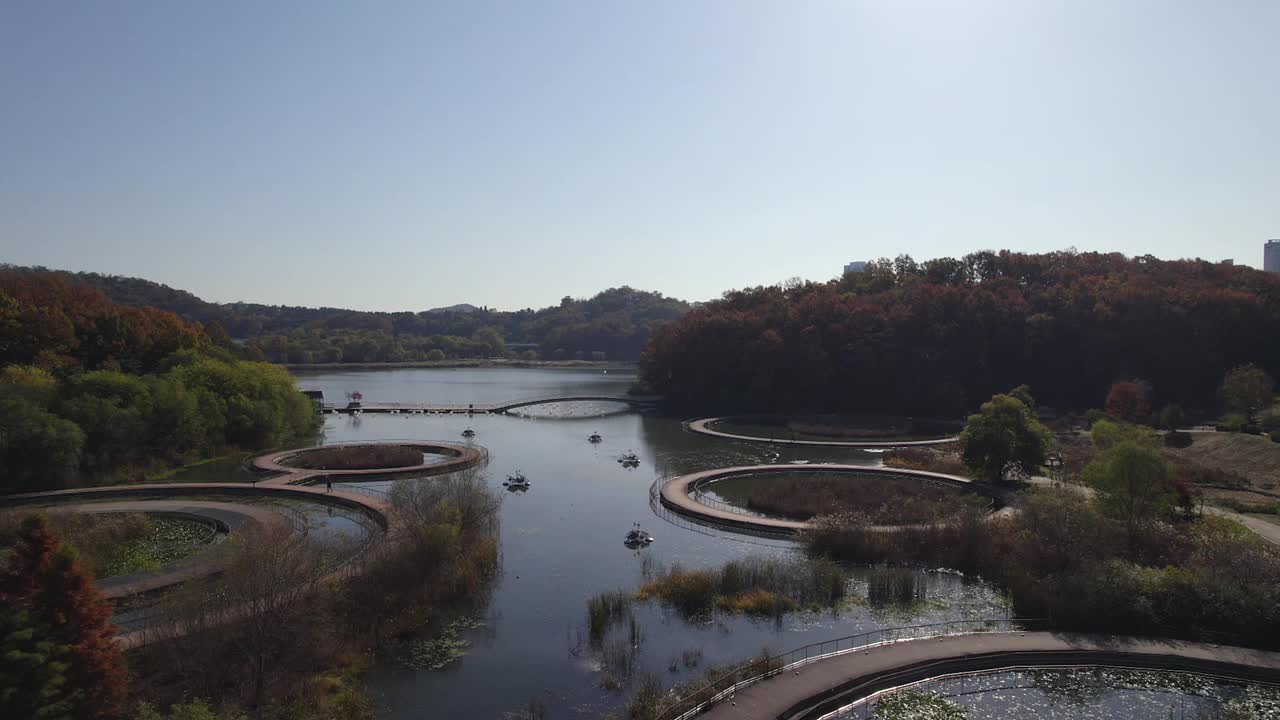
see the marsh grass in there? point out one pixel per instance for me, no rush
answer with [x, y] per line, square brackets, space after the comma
[754, 585]
[945, 460]
[606, 609]
[895, 587]
[358, 457]
[880, 500]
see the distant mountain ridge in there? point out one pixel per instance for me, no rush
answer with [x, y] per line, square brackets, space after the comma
[614, 324]
[459, 308]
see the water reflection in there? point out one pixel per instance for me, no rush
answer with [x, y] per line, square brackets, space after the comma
[562, 543]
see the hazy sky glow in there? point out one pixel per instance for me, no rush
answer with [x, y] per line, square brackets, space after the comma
[509, 153]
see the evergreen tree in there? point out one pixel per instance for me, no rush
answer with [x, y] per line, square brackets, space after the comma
[60, 659]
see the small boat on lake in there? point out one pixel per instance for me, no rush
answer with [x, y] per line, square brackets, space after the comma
[468, 433]
[637, 537]
[595, 438]
[516, 481]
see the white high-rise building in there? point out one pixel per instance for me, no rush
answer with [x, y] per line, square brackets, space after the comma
[861, 266]
[1271, 256]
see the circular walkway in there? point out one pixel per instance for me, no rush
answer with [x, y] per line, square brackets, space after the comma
[459, 458]
[704, 426]
[675, 493]
[822, 686]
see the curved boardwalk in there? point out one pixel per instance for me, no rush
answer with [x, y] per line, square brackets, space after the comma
[823, 686]
[675, 493]
[460, 457]
[704, 427]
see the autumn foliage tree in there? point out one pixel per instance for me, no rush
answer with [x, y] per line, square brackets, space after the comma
[60, 659]
[1129, 400]
[941, 336]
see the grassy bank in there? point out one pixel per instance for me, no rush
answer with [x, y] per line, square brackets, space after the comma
[1250, 461]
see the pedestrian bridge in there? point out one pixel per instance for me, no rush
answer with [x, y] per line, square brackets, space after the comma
[486, 409]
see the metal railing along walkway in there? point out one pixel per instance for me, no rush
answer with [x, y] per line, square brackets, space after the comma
[727, 685]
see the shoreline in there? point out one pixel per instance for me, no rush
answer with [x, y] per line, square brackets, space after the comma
[472, 363]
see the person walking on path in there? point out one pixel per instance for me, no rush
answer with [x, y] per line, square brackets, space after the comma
[328, 485]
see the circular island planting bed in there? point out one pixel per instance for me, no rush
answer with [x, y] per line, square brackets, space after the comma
[696, 495]
[366, 461]
[829, 430]
[877, 498]
[358, 457]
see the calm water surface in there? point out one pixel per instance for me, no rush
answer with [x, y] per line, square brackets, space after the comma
[562, 543]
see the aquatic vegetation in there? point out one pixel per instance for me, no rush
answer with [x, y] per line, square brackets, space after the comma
[753, 585]
[605, 609]
[440, 649]
[917, 705]
[757, 602]
[895, 587]
[118, 543]
[166, 540]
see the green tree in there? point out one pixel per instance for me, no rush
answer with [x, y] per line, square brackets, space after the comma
[1172, 417]
[33, 668]
[1002, 438]
[1132, 482]
[38, 449]
[1108, 433]
[1023, 393]
[1246, 390]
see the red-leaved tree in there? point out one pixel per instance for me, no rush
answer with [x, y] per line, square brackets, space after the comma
[1129, 400]
[67, 624]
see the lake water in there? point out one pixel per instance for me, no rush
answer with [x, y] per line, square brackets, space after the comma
[562, 543]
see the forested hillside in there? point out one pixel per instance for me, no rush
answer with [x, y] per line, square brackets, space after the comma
[91, 390]
[944, 335]
[613, 325]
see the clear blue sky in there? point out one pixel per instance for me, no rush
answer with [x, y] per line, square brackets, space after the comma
[509, 153]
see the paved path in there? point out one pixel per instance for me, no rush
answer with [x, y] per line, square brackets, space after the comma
[704, 426]
[675, 493]
[863, 672]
